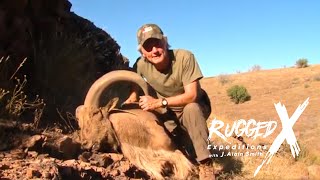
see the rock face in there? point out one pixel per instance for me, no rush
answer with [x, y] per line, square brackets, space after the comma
[65, 53]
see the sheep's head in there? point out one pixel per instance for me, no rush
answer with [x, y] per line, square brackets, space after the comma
[96, 132]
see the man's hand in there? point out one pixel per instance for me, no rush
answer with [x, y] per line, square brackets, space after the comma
[149, 103]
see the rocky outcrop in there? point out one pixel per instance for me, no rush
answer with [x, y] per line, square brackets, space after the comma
[65, 52]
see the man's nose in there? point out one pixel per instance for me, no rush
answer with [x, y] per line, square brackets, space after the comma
[154, 49]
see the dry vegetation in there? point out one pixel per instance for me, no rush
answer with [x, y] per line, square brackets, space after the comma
[13, 100]
[291, 87]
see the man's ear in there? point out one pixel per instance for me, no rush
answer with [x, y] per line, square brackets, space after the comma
[165, 41]
[165, 38]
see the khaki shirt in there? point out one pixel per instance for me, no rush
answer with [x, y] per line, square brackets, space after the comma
[184, 70]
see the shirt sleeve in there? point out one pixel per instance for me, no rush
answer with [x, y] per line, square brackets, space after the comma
[191, 70]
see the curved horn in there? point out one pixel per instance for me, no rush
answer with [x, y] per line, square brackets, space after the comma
[97, 88]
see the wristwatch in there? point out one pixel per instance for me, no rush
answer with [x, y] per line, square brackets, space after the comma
[164, 102]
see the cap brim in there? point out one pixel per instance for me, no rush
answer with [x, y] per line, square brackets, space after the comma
[157, 36]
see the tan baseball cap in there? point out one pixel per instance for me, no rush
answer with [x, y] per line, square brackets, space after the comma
[149, 31]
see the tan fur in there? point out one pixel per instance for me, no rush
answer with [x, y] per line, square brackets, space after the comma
[141, 136]
[154, 162]
[96, 133]
[146, 144]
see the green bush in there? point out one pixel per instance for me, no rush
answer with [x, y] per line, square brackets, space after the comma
[302, 63]
[238, 94]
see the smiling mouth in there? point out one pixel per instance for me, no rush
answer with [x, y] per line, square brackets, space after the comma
[158, 56]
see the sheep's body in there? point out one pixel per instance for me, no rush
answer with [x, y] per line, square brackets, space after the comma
[145, 143]
[139, 133]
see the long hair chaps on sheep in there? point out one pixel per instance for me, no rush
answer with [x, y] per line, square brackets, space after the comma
[139, 134]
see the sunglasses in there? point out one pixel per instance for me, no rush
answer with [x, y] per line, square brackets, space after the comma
[152, 42]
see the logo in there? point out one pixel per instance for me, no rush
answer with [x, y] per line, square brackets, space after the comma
[147, 29]
[253, 129]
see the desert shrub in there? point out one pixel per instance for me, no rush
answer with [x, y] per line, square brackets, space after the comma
[303, 154]
[302, 63]
[295, 81]
[316, 77]
[255, 68]
[238, 94]
[224, 78]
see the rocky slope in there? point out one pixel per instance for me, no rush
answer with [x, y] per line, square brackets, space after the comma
[60, 54]
[64, 52]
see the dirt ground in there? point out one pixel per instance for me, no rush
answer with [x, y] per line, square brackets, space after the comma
[33, 155]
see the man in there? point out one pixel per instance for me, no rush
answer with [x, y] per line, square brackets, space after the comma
[175, 75]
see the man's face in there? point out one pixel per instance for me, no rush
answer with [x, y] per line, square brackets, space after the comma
[155, 50]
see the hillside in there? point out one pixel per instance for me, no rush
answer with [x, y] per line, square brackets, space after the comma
[291, 87]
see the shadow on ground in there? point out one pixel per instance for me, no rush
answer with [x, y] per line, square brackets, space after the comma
[230, 165]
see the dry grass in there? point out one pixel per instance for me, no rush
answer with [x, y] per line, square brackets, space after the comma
[266, 87]
[224, 79]
[13, 100]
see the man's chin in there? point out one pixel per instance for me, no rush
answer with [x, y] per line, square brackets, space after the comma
[157, 60]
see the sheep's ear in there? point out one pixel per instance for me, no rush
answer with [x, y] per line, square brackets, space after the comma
[111, 104]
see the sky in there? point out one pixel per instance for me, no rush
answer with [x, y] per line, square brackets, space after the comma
[226, 36]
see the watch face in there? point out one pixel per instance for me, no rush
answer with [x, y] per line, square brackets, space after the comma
[164, 102]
